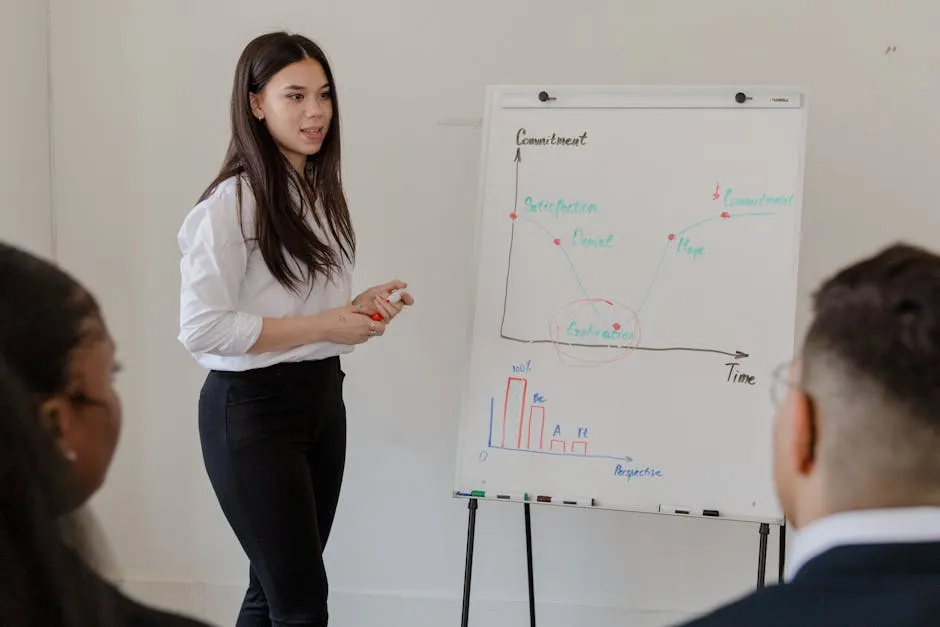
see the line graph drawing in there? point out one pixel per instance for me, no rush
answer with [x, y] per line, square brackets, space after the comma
[618, 325]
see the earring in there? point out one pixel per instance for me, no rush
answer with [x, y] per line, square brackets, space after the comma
[70, 455]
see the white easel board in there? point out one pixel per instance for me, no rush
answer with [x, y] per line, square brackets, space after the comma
[637, 256]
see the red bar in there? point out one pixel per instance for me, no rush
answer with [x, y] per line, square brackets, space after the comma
[525, 387]
[564, 444]
[532, 419]
[525, 384]
[582, 444]
[542, 436]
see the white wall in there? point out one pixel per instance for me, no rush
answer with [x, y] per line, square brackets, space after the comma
[140, 119]
[25, 184]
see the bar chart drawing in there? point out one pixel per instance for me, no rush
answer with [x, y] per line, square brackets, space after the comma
[521, 426]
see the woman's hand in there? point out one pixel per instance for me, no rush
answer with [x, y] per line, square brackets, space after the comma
[347, 325]
[374, 300]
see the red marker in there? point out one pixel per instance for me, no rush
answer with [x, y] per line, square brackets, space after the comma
[394, 297]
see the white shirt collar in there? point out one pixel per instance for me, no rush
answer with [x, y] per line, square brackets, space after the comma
[876, 526]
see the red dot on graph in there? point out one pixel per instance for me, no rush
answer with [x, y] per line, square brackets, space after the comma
[557, 242]
[616, 326]
[725, 215]
[513, 216]
[671, 236]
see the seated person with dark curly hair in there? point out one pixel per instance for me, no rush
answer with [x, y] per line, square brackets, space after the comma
[59, 423]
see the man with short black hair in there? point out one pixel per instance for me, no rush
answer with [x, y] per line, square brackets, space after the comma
[857, 455]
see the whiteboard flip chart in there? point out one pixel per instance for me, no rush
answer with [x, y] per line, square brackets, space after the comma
[637, 255]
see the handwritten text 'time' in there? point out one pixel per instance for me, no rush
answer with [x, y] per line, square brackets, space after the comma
[736, 375]
[637, 473]
[523, 139]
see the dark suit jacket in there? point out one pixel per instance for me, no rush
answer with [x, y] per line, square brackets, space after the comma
[879, 585]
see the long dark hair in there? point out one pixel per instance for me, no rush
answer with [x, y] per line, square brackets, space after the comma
[43, 311]
[45, 548]
[46, 580]
[280, 228]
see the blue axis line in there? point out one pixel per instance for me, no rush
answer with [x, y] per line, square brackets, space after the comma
[490, 445]
[490, 441]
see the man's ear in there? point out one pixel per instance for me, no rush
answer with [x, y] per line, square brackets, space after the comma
[57, 417]
[255, 103]
[803, 433]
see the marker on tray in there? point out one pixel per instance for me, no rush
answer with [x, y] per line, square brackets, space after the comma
[581, 502]
[675, 509]
[513, 496]
[688, 511]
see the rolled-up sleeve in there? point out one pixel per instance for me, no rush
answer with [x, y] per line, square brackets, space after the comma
[212, 269]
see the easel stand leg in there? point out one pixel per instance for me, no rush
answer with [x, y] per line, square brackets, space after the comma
[528, 555]
[783, 552]
[468, 569]
[762, 554]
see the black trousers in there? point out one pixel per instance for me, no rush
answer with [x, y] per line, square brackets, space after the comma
[274, 446]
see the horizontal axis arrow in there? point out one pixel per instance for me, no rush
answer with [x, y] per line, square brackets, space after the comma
[735, 354]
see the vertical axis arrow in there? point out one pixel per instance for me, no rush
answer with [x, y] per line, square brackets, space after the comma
[512, 236]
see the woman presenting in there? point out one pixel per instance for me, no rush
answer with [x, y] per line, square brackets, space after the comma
[267, 255]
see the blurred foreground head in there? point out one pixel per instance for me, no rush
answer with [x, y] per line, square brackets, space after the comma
[858, 426]
[54, 337]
